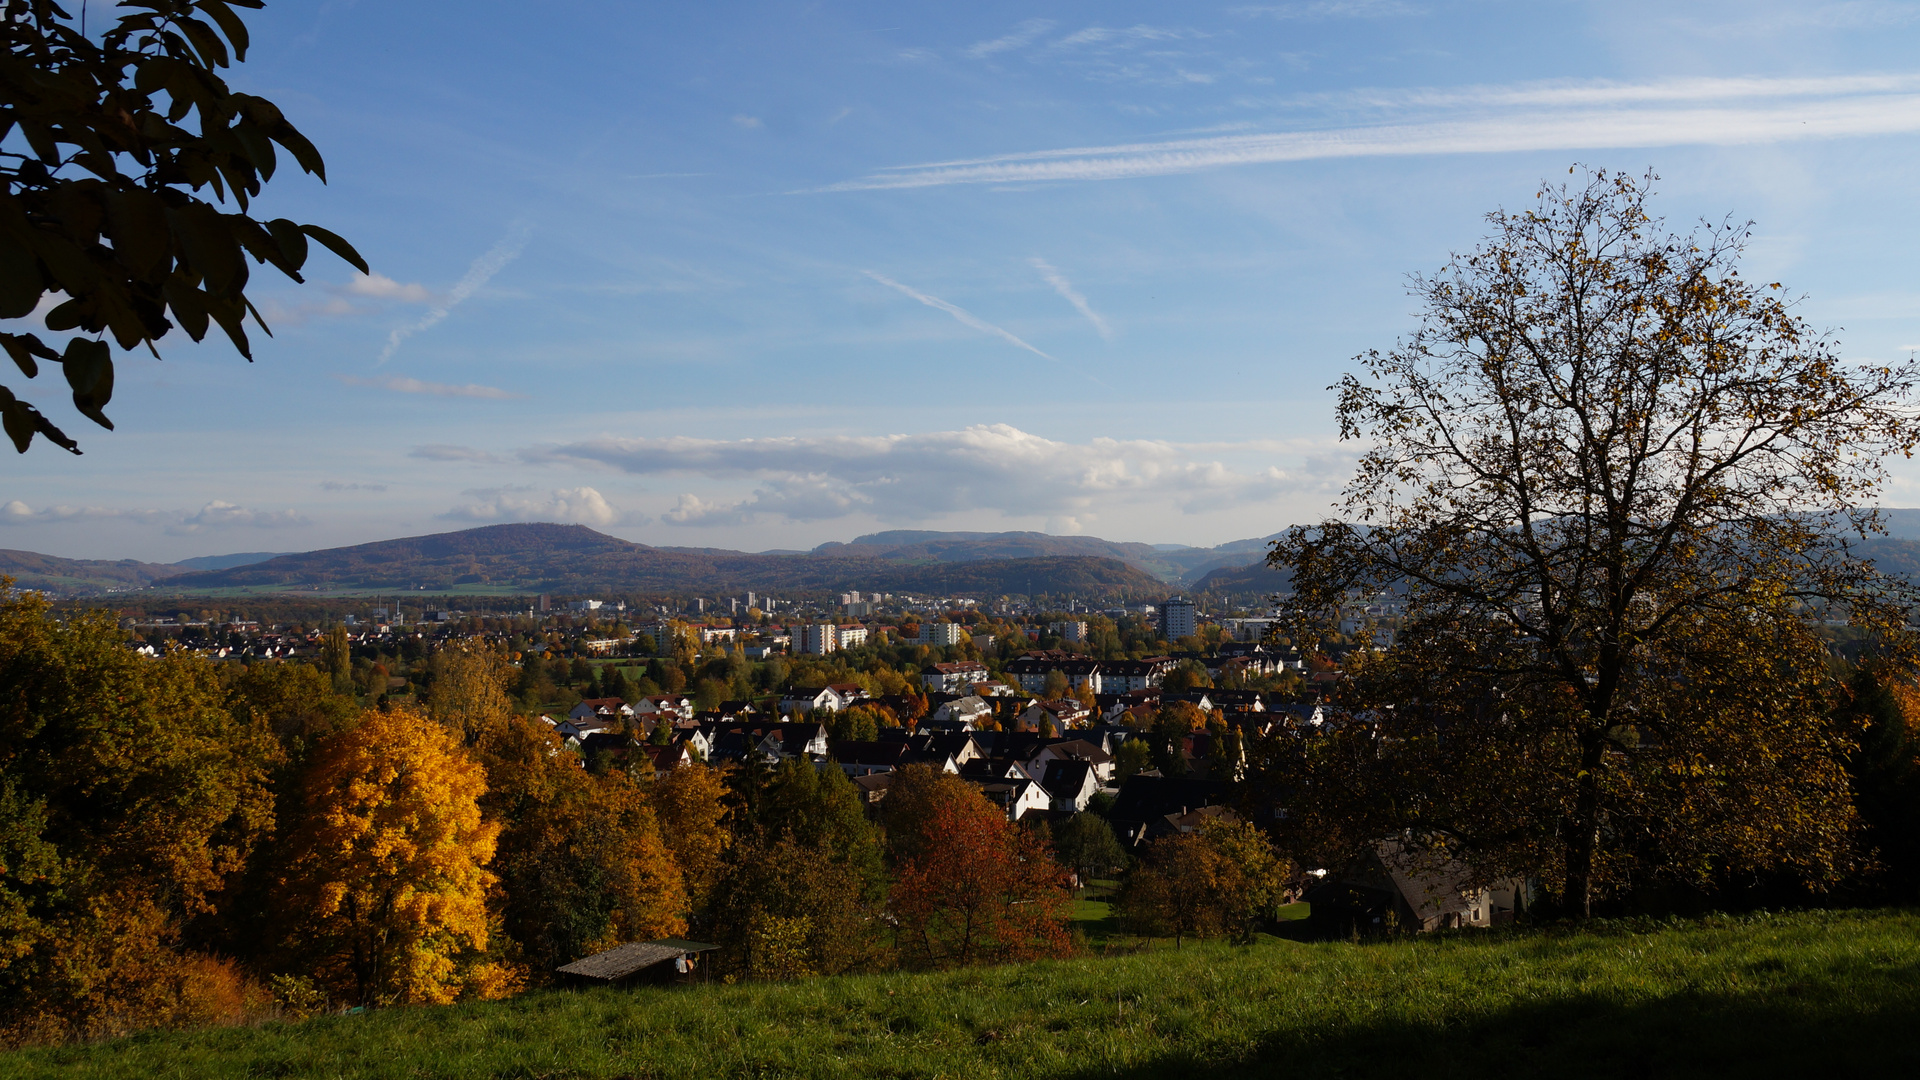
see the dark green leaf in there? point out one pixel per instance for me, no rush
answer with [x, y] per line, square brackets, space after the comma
[337, 246]
[20, 283]
[302, 150]
[230, 24]
[137, 221]
[22, 421]
[89, 366]
[23, 348]
[293, 242]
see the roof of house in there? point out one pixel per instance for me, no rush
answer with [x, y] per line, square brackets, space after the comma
[859, 752]
[1066, 777]
[623, 960]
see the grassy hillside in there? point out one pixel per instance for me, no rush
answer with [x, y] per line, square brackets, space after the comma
[1820, 994]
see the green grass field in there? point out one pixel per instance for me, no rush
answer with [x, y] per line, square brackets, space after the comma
[1818, 994]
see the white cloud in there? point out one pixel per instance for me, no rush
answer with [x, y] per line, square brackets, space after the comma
[914, 477]
[1483, 120]
[16, 512]
[745, 121]
[582, 505]
[218, 514]
[336, 485]
[1022, 36]
[381, 287]
[403, 385]
[1071, 295]
[450, 452]
[966, 317]
[478, 274]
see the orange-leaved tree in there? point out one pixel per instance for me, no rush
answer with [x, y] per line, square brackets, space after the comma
[981, 888]
[690, 803]
[388, 876]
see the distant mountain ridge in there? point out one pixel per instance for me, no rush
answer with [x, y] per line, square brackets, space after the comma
[574, 559]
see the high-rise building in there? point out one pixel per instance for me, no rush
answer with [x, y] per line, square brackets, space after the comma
[816, 639]
[1072, 630]
[1176, 619]
[940, 633]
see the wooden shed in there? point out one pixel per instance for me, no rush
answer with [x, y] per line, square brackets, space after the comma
[662, 961]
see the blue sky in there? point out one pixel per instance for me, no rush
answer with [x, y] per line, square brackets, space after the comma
[765, 275]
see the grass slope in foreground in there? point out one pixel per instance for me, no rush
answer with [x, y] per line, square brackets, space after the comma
[1821, 994]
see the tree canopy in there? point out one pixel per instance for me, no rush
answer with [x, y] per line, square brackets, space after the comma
[1613, 484]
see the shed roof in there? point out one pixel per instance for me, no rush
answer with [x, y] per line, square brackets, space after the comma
[623, 960]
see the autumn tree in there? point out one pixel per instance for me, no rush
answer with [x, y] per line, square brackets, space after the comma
[582, 862]
[107, 208]
[690, 803]
[910, 811]
[1260, 874]
[980, 888]
[1184, 887]
[1613, 482]
[131, 800]
[470, 689]
[386, 886]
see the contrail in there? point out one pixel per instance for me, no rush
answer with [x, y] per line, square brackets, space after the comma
[1072, 295]
[483, 268]
[960, 313]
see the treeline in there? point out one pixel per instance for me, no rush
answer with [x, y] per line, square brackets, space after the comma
[184, 842]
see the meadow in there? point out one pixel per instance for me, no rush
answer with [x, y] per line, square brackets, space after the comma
[1832, 994]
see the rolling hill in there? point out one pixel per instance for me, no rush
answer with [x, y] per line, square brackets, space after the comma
[574, 558]
[1171, 563]
[32, 570]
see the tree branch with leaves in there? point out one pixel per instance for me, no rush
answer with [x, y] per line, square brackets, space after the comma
[111, 204]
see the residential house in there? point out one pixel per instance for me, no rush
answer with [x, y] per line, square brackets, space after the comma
[665, 759]
[1147, 806]
[952, 677]
[1096, 759]
[1126, 676]
[1032, 670]
[670, 706]
[1018, 797]
[1061, 713]
[605, 709]
[1398, 887]
[1069, 784]
[965, 711]
[806, 699]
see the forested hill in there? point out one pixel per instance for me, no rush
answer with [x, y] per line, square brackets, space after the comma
[1167, 562]
[32, 570]
[574, 558]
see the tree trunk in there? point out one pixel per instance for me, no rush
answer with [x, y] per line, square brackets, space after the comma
[1583, 831]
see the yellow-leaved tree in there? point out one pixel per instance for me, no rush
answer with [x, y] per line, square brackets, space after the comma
[387, 878]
